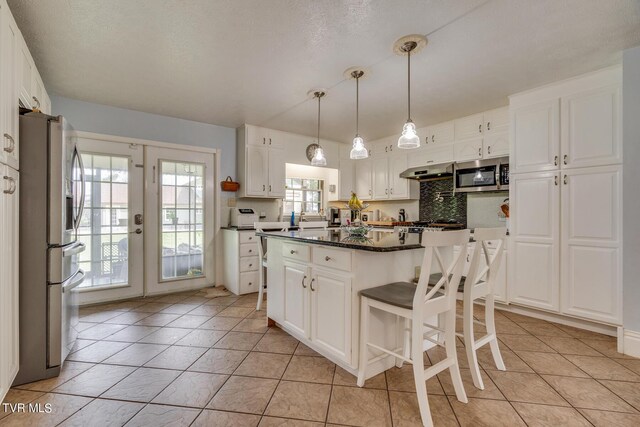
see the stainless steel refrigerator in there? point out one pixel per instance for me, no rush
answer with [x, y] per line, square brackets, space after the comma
[51, 205]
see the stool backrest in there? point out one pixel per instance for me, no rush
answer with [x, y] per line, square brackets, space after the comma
[439, 247]
[484, 267]
[261, 226]
[313, 224]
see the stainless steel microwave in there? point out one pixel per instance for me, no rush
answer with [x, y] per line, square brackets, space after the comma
[482, 175]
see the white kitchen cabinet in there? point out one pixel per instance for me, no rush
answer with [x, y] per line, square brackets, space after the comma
[296, 297]
[442, 133]
[241, 261]
[26, 69]
[435, 154]
[38, 93]
[380, 170]
[401, 188]
[468, 127]
[495, 144]
[534, 270]
[261, 166]
[591, 243]
[9, 37]
[592, 127]
[364, 178]
[9, 228]
[347, 178]
[535, 137]
[277, 173]
[467, 150]
[496, 120]
[265, 137]
[331, 311]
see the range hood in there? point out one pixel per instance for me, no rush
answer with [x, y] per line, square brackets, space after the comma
[428, 173]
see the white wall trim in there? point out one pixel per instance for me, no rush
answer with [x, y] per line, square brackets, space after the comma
[128, 140]
[630, 343]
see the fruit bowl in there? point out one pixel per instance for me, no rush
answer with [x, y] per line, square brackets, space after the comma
[357, 230]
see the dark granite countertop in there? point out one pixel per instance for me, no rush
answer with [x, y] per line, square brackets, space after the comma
[375, 241]
[295, 227]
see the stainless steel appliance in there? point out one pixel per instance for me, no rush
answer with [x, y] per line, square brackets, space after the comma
[334, 216]
[51, 206]
[429, 172]
[243, 217]
[482, 175]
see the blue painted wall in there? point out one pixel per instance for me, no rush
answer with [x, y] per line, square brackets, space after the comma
[86, 116]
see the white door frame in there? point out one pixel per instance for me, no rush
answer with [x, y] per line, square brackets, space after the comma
[135, 284]
[216, 152]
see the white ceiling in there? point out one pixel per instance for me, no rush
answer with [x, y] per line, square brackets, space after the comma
[253, 61]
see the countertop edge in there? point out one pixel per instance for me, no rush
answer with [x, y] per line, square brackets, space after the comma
[341, 245]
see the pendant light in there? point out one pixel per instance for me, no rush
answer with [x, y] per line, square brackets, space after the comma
[319, 158]
[359, 151]
[405, 46]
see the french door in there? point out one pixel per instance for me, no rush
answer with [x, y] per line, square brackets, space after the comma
[111, 225]
[179, 244]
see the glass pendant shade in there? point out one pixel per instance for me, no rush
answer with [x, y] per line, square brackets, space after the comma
[358, 151]
[318, 158]
[409, 137]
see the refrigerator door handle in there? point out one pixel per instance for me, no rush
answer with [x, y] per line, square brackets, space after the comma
[73, 249]
[78, 157]
[74, 282]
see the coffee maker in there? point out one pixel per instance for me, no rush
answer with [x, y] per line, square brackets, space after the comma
[334, 216]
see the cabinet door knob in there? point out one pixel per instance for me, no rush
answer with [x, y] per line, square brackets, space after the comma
[303, 285]
[327, 258]
[250, 237]
[293, 252]
[564, 159]
[311, 284]
[250, 250]
[250, 283]
[250, 265]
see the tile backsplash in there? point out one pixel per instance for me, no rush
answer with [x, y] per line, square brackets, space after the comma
[448, 206]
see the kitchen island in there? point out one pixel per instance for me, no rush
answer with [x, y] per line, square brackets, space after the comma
[313, 282]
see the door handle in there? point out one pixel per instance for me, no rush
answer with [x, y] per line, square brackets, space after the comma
[303, 285]
[136, 231]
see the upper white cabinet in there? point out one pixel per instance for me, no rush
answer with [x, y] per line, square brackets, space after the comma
[9, 38]
[469, 127]
[470, 149]
[591, 243]
[591, 127]
[401, 188]
[535, 136]
[26, 69]
[380, 170]
[442, 133]
[347, 178]
[261, 163]
[496, 120]
[496, 144]
[431, 155]
[363, 180]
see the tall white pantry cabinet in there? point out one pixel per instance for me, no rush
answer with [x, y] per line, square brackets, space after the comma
[19, 82]
[566, 197]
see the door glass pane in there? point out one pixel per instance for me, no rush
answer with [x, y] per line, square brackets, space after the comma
[104, 224]
[182, 225]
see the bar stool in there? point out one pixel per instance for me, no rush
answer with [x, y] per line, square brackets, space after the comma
[304, 225]
[260, 226]
[415, 304]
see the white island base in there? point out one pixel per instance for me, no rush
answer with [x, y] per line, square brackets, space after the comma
[313, 295]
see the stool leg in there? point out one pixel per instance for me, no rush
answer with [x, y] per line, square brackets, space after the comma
[450, 346]
[491, 329]
[470, 344]
[418, 372]
[399, 321]
[261, 287]
[364, 338]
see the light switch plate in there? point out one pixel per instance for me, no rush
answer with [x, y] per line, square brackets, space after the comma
[232, 202]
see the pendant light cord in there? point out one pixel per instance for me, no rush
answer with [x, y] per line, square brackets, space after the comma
[409, 85]
[318, 95]
[357, 105]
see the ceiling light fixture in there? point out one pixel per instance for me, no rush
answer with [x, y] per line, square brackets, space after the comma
[359, 151]
[405, 46]
[319, 158]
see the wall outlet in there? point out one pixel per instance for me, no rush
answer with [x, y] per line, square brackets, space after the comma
[232, 202]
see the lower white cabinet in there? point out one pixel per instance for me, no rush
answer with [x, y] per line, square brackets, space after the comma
[591, 243]
[296, 297]
[9, 229]
[534, 270]
[241, 261]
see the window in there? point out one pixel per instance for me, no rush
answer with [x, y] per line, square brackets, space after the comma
[303, 195]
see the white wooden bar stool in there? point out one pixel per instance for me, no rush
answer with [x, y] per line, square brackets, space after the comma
[262, 253]
[479, 283]
[304, 225]
[415, 304]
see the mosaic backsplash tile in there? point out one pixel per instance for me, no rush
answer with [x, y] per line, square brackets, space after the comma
[447, 206]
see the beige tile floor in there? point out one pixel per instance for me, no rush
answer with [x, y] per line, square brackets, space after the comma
[183, 359]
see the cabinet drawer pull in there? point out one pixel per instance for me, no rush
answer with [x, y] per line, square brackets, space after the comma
[250, 283]
[555, 161]
[480, 152]
[303, 285]
[250, 237]
[250, 250]
[12, 143]
[433, 138]
[12, 185]
[328, 258]
[293, 252]
[311, 284]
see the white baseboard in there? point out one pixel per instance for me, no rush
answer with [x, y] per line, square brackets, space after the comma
[631, 343]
